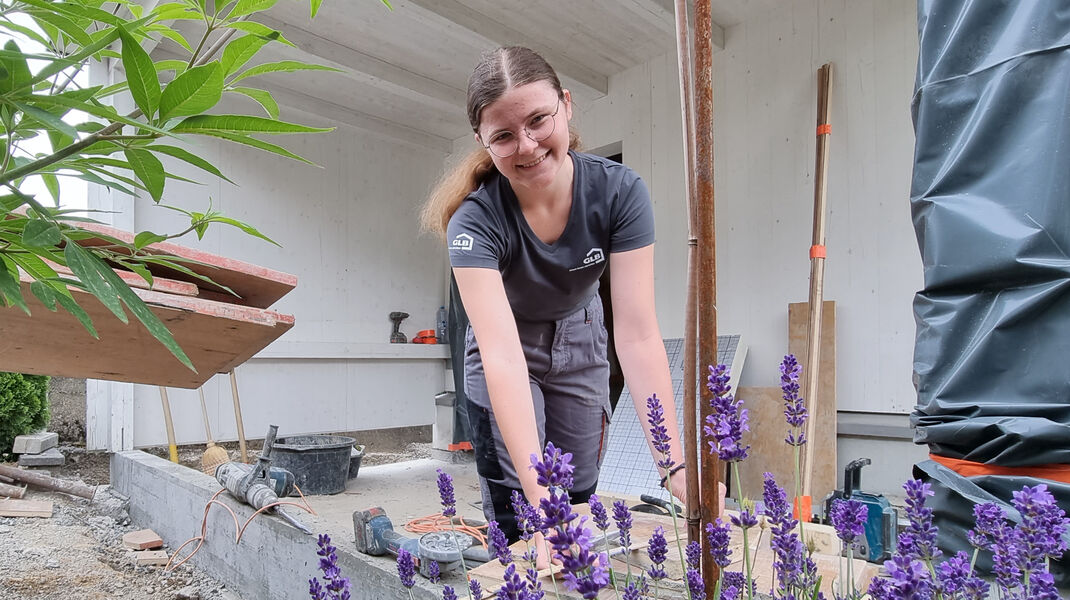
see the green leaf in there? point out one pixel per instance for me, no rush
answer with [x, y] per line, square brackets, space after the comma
[248, 7]
[72, 307]
[10, 202]
[192, 92]
[171, 65]
[95, 109]
[261, 96]
[140, 75]
[188, 157]
[14, 72]
[259, 29]
[84, 54]
[62, 23]
[149, 319]
[148, 169]
[241, 124]
[47, 119]
[52, 185]
[249, 229]
[26, 31]
[315, 8]
[175, 11]
[84, 266]
[172, 35]
[260, 144]
[387, 4]
[239, 51]
[39, 269]
[145, 238]
[40, 233]
[10, 292]
[140, 269]
[45, 294]
[282, 66]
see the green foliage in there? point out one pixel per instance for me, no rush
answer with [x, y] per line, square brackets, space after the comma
[91, 141]
[23, 406]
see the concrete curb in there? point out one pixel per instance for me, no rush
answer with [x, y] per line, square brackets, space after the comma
[273, 559]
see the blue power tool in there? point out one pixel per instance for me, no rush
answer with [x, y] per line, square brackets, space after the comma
[881, 519]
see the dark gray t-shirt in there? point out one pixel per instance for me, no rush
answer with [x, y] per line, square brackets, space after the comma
[610, 212]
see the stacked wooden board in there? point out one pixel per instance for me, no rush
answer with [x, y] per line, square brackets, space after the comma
[217, 330]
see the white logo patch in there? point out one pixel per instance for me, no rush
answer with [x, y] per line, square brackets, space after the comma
[593, 257]
[463, 241]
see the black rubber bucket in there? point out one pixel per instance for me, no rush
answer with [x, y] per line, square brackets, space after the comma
[320, 463]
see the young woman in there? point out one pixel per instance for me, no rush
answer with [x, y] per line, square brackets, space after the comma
[531, 224]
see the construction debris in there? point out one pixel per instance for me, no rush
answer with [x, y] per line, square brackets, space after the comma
[43, 480]
[25, 508]
[142, 539]
[150, 558]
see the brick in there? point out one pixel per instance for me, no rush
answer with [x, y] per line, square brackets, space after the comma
[49, 458]
[150, 558]
[144, 539]
[35, 443]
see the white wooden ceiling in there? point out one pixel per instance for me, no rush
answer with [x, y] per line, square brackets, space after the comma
[406, 69]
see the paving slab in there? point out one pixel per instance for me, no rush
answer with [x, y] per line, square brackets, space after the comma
[35, 443]
[49, 458]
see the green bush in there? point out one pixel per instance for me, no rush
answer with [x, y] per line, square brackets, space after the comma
[23, 406]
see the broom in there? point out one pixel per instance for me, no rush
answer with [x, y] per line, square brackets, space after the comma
[213, 455]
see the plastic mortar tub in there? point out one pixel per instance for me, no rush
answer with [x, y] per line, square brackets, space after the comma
[320, 463]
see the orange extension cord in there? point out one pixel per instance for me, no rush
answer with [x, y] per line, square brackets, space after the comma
[438, 522]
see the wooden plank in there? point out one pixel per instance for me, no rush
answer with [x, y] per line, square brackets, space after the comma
[159, 284]
[25, 508]
[824, 474]
[216, 336]
[256, 286]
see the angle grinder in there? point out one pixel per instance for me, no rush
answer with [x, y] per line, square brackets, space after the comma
[375, 535]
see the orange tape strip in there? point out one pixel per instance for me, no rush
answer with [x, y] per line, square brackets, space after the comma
[817, 251]
[824, 129]
[459, 446]
[968, 468]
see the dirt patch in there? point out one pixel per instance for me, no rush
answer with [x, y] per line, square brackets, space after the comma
[78, 552]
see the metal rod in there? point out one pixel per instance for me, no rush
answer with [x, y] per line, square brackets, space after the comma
[49, 483]
[691, 442]
[707, 256]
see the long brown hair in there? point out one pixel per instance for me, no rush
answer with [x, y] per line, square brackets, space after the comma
[497, 71]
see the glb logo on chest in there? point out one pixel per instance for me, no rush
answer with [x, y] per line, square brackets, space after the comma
[593, 257]
[463, 241]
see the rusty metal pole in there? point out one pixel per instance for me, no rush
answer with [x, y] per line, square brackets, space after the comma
[707, 288]
[691, 442]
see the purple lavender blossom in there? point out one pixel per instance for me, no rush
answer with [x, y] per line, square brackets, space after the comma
[794, 407]
[655, 417]
[745, 519]
[1042, 586]
[445, 492]
[989, 520]
[908, 579]
[527, 517]
[337, 587]
[728, 421]
[555, 469]
[849, 519]
[406, 568]
[796, 574]
[657, 550]
[598, 512]
[515, 588]
[499, 544]
[623, 518]
[954, 579]
[919, 538]
[633, 590]
[434, 572]
[695, 584]
[534, 585]
[734, 585]
[590, 583]
[448, 593]
[718, 536]
[475, 589]
[693, 552]
[1042, 527]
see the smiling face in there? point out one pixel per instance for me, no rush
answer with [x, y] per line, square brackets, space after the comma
[536, 165]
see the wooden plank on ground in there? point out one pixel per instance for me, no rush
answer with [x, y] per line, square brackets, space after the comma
[25, 508]
[256, 286]
[216, 336]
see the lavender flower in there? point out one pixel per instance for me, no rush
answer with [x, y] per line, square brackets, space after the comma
[694, 554]
[745, 520]
[337, 587]
[1042, 527]
[728, 421]
[406, 568]
[515, 587]
[475, 589]
[717, 534]
[434, 572]
[555, 469]
[955, 580]
[623, 518]
[598, 512]
[794, 407]
[919, 539]
[635, 589]
[908, 579]
[448, 593]
[527, 518]
[660, 434]
[657, 550]
[499, 544]
[849, 519]
[796, 574]
[695, 584]
[989, 521]
[445, 492]
[590, 583]
[734, 585]
[534, 585]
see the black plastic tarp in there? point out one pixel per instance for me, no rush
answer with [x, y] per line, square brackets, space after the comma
[990, 199]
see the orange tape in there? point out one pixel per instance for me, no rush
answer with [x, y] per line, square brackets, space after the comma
[825, 129]
[968, 468]
[459, 446]
[817, 251]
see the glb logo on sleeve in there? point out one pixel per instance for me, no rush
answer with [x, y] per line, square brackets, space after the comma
[593, 257]
[463, 241]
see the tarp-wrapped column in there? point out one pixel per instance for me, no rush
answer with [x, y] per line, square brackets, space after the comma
[990, 199]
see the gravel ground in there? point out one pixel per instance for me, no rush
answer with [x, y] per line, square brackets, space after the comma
[78, 552]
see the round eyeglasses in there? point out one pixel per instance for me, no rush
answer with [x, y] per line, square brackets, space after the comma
[541, 126]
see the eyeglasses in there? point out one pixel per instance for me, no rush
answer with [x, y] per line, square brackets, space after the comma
[541, 126]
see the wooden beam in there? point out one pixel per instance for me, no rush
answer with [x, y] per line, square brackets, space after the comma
[482, 26]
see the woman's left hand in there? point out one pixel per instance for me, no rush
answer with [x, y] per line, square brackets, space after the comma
[679, 489]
